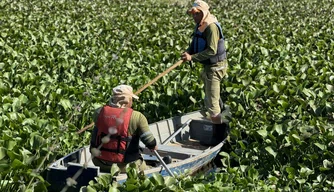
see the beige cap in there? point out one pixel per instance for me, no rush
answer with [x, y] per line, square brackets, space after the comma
[122, 95]
[124, 90]
[198, 5]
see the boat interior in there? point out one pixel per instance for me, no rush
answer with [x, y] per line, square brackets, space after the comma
[180, 138]
[185, 140]
[172, 152]
[178, 141]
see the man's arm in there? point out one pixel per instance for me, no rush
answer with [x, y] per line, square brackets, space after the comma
[190, 48]
[96, 114]
[143, 130]
[94, 132]
[93, 137]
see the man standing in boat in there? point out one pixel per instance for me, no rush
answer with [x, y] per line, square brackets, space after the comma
[119, 128]
[207, 47]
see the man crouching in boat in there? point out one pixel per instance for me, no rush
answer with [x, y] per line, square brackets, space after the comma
[118, 128]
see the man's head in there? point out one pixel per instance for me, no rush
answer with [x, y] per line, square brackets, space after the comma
[198, 10]
[122, 96]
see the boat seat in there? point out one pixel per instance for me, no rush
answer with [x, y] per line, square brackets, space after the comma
[179, 149]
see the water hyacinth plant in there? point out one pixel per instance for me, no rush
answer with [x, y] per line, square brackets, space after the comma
[60, 59]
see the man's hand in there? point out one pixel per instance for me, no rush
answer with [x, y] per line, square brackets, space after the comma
[186, 56]
[155, 148]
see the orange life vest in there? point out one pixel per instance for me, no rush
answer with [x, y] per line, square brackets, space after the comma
[114, 150]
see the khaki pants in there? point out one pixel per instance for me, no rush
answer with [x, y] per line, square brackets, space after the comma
[212, 76]
[105, 166]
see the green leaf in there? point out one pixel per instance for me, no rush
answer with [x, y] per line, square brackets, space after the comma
[305, 172]
[321, 146]
[41, 185]
[170, 181]
[13, 116]
[114, 169]
[17, 164]
[312, 105]
[283, 103]
[232, 170]
[2, 153]
[157, 179]
[241, 109]
[131, 171]
[16, 104]
[301, 181]
[199, 187]
[278, 128]
[271, 151]
[13, 155]
[36, 141]
[242, 145]
[90, 189]
[23, 98]
[328, 164]
[169, 91]
[10, 145]
[243, 168]
[192, 99]
[4, 165]
[275, 88]
[253, 173]
[309, 93]
[264, 51]
[229, 89]
[28, 121]
[36, 175]
[112, 189]
[131, 187]
[263, 133]
[304, 68]
[224, 154]
[65, 103]
[291, 172]
[104, 180]
[330, 88]
[296, 138]
[26, 155]
[246, 82]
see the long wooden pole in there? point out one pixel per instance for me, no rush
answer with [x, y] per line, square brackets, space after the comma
[142, 88]
[159, 76]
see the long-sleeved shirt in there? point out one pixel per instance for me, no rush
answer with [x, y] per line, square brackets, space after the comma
[212, 36]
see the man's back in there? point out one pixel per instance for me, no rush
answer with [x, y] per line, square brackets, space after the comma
[125, 125]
